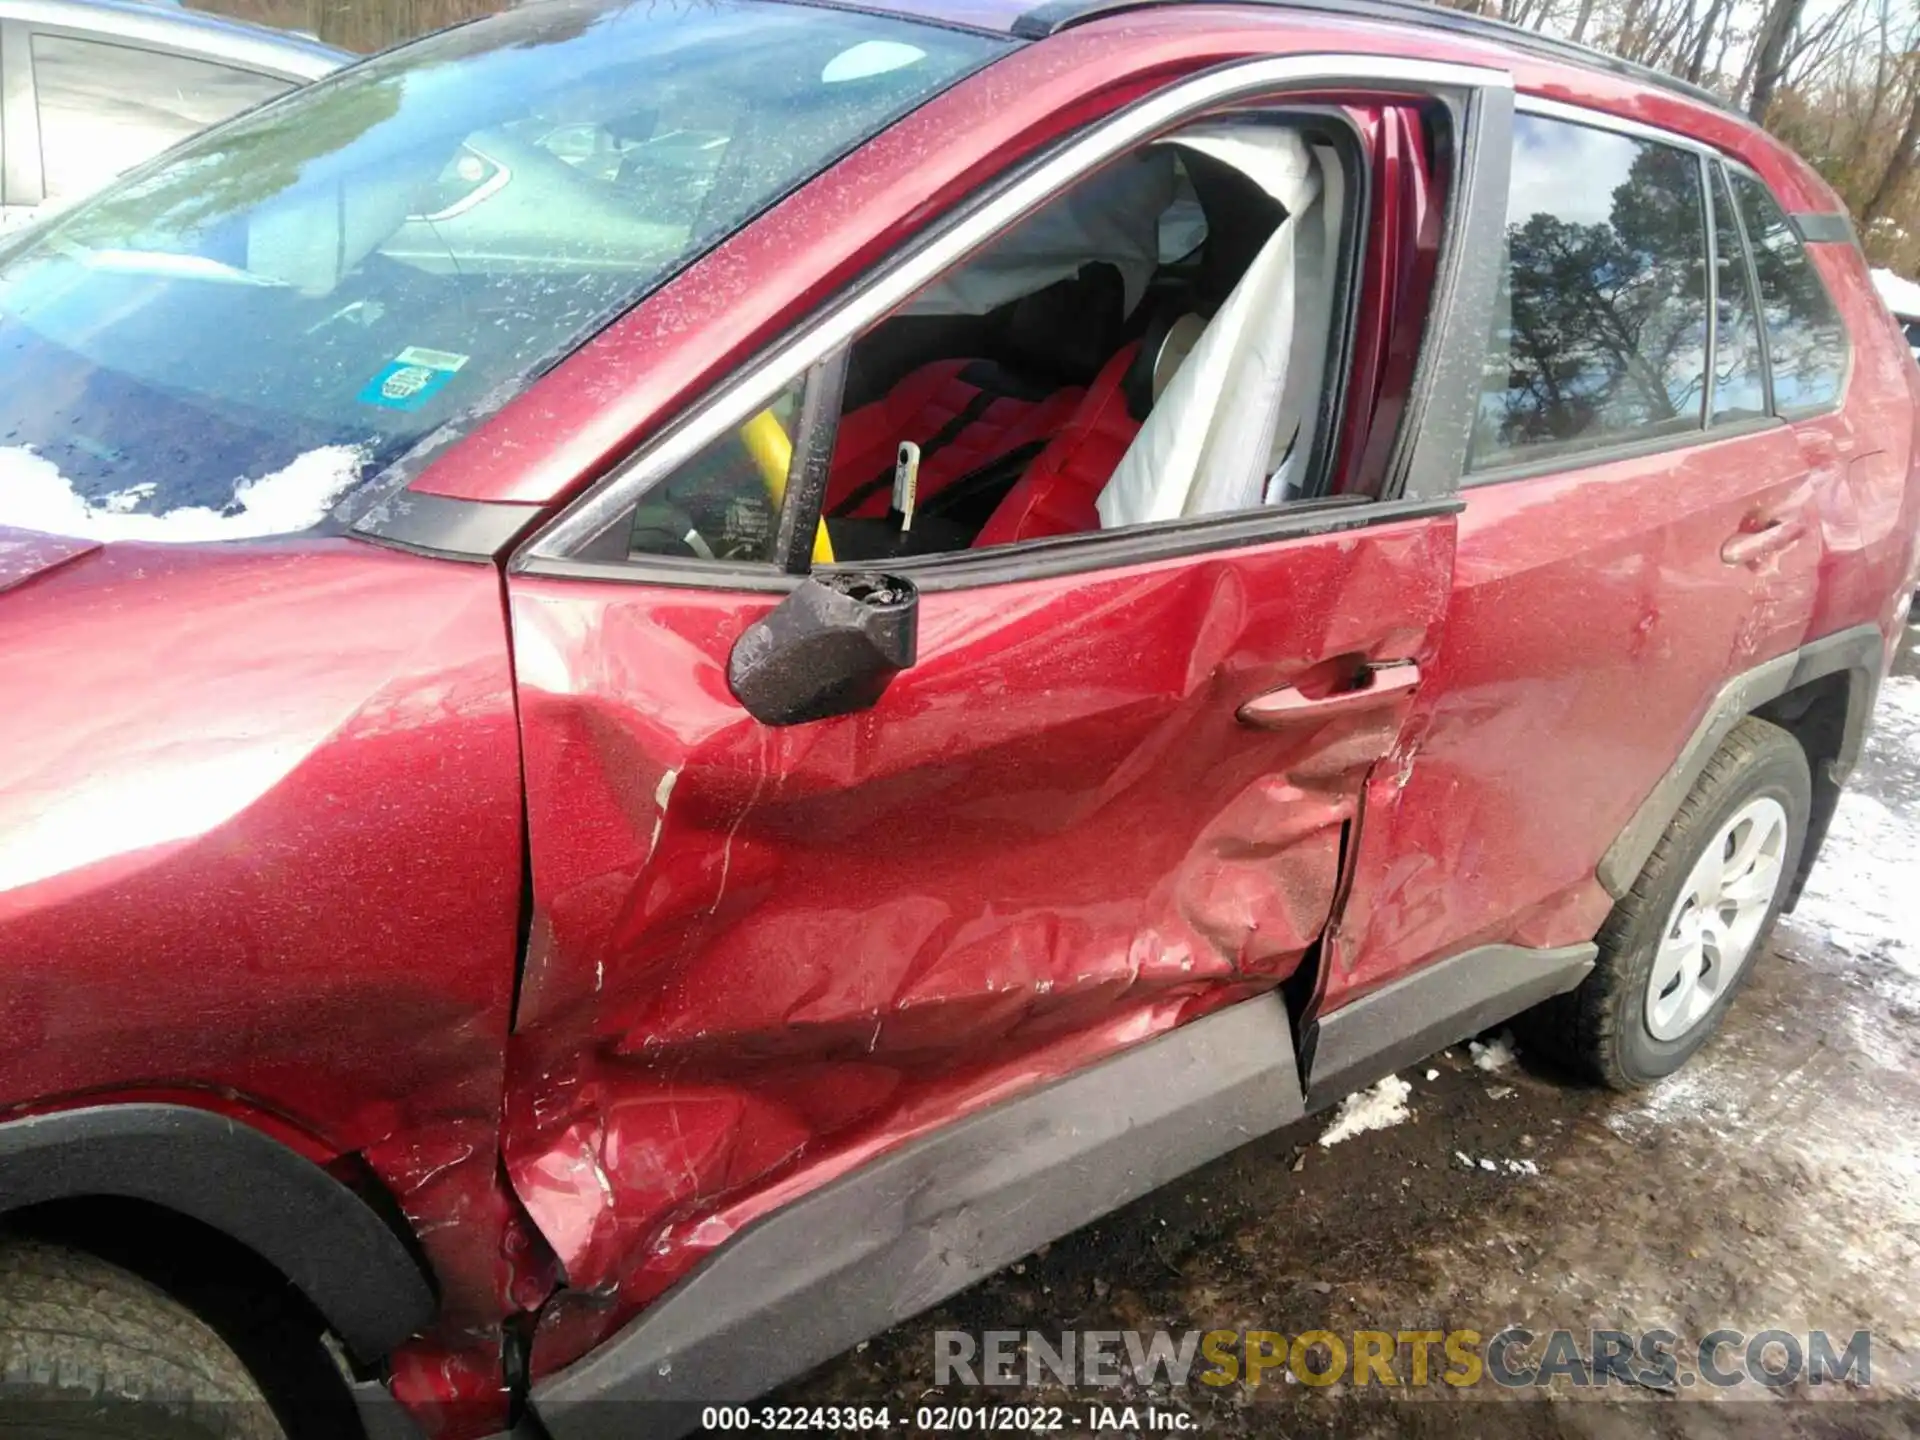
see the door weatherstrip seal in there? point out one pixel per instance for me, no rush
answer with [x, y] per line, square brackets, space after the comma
[1040, 559]
[1436, 431]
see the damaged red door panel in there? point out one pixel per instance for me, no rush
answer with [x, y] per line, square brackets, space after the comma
[1602, 597]
[761, 955]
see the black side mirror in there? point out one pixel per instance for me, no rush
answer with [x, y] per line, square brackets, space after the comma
[830, 648]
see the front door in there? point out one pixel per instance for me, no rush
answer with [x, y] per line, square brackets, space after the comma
[761, 954]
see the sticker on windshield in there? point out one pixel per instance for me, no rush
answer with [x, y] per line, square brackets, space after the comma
[411, 378]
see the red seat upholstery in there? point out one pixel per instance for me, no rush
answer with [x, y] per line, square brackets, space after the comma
[957, 411]
[1058, 492]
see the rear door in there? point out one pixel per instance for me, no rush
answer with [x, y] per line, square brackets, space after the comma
[1113, 792]
[1640, 525]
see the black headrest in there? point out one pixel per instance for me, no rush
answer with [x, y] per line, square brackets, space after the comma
[1067, 331]
[1241, 217]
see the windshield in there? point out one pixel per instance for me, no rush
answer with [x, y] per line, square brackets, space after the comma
[229, 341]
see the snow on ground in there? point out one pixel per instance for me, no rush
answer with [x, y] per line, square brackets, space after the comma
[1498, 1167]
[1712, 1099]
[34, 495]
[1897, 293]
[1496, 1054]
[1372, 1109]
[1863, 897]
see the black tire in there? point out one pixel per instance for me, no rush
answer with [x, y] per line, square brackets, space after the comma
[1599, 1030]
[90, 1352]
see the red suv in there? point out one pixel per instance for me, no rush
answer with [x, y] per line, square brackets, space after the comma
[679, 676]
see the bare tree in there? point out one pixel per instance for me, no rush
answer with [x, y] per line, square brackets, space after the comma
[1839, 80]
[1899, 167]
[1696, 65]
[1769, 63]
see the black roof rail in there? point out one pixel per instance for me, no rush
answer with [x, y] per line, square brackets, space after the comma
[1053, 15]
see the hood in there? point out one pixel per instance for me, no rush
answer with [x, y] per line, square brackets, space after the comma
[27, 553]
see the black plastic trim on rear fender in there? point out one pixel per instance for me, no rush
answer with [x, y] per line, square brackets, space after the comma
[1433, 1007]
[328, 1242]
[1857, 652]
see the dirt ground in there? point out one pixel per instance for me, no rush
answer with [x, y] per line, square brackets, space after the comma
[1774, 1183]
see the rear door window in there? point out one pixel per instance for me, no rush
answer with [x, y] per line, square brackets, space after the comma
[1600, 336]
[106, 107]
[1739, 364]
[1806, 343]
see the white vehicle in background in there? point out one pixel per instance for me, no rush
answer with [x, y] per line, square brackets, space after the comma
[1902, 297]
[102, 85]
[89, 88]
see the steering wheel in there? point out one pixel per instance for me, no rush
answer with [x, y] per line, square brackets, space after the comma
[771, 448]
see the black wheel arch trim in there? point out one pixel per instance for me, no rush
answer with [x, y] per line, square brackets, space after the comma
[1858, 653]
[330, 1244]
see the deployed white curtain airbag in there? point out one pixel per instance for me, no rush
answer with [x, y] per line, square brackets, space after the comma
[1207, 445]
[1316, 251]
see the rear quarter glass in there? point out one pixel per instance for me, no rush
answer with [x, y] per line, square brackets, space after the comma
[1806, 343]
[232, 340]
